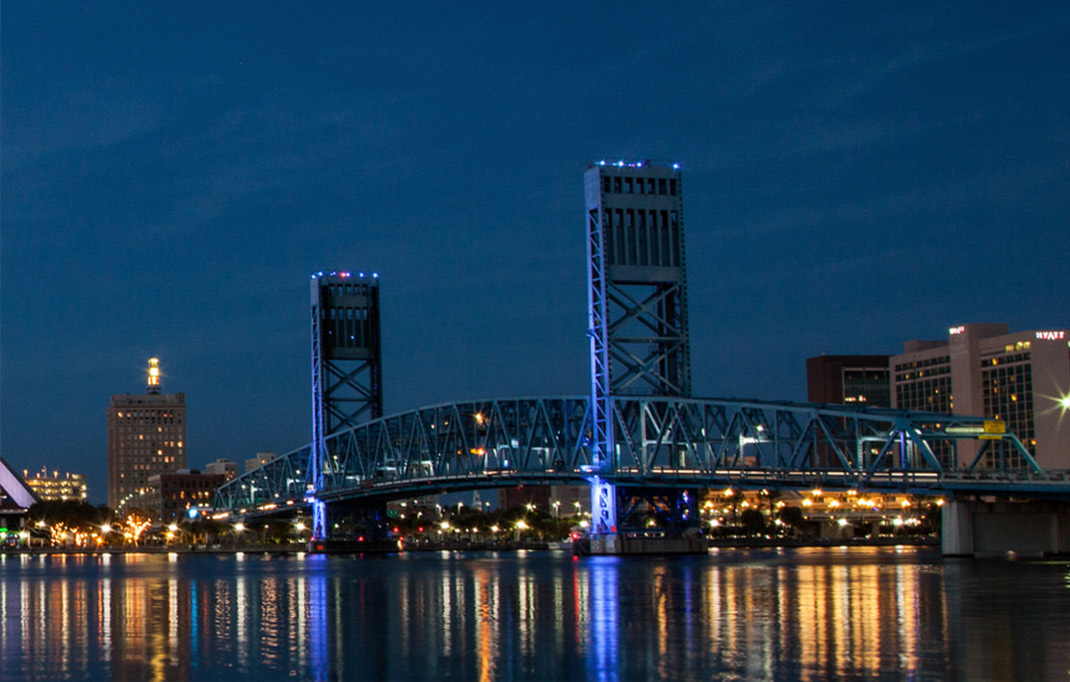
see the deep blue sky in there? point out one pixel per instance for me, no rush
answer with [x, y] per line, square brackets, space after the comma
[856, 174]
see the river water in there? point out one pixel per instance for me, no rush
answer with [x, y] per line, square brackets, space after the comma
[791, 614]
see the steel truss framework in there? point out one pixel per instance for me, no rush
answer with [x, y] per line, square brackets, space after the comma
[636, 301]
[346, 359]
[661, 443]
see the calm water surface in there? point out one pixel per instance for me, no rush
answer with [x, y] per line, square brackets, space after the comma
[802, 614]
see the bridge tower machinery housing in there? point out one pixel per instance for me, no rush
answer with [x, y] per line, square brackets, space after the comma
[346, 367]
[637, 302]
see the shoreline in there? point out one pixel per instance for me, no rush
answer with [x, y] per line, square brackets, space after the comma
[295, 548]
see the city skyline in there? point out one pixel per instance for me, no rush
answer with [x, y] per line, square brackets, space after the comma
[855, 177]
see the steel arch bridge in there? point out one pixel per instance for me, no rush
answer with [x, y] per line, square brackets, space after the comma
[662, 442]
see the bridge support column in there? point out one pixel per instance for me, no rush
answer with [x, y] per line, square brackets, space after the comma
[604, 539]
[320, 522]
[978, 528]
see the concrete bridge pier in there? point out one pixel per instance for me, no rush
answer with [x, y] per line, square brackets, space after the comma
[985, 528]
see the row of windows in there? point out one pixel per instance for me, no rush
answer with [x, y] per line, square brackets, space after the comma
[188, 483]
[638, 237]
[130, 421]
[148, 457]
[1005, 359]
[335, 290]
[632, 185]
[124, 436]
[350, 332]
[194, 495]
[337, 313]
[929, 362]
[935, 371]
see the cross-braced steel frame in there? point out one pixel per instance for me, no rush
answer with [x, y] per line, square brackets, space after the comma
[636, 300]
[680, 443]
[346, 359]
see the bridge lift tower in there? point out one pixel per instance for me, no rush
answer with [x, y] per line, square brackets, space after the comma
[347, 381]
[637, 306]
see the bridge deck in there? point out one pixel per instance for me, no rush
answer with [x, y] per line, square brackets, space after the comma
[660, 443]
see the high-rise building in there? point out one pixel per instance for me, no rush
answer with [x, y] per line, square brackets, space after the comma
[146, 437]
[849, 379]
[60, 485]
[1021, 378]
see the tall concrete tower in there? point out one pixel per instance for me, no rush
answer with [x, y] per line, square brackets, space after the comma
[146, 437]
[637, 300]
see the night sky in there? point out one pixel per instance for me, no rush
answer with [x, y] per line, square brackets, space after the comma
[855, 175]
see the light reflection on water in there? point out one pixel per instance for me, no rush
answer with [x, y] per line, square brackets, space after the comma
[807, 614]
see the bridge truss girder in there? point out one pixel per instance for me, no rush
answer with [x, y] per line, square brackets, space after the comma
[660, 442]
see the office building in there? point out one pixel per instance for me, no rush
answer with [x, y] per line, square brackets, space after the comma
[223, 467]
[59, 485]
[849, 379]
[146, 437]
[171, 496]
[1021, 378]
[260, 460]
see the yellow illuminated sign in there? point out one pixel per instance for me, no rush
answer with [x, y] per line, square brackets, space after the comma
[995, 426]
[995, 429]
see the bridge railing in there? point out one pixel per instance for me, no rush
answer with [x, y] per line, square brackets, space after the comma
[655, 438]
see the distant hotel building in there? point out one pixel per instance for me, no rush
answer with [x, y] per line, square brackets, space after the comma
[861, 379]
[1022, 379]
[61, 485]
[982, 370]
[146, 437]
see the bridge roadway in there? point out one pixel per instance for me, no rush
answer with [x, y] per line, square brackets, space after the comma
[660, 443]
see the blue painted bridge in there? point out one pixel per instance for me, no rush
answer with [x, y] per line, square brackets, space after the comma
[659, 443]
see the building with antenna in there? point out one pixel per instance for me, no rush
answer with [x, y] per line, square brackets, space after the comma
[146, 437]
